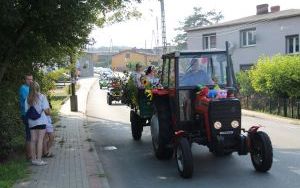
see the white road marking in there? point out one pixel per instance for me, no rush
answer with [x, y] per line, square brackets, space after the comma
[110, 148]
[275, 160]
[296, 171]
[162, 177]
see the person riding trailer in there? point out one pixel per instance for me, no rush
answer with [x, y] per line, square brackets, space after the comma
[139, 99]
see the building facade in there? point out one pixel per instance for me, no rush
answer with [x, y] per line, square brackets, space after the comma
[121, 60]
[266, 33]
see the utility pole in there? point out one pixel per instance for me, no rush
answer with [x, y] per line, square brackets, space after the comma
[73, 98]
[163, 26]
[145, 55]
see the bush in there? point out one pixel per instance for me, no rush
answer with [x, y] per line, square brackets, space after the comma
[277, 76]
[12, 129]
[58, 75]
[244, 82]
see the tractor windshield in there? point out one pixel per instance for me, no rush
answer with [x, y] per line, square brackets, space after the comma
[208, 69]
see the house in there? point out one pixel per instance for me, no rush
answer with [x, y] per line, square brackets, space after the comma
[266, 33]
[123, 59]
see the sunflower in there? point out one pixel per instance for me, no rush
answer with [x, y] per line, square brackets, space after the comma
[145, 82]
[149, 94]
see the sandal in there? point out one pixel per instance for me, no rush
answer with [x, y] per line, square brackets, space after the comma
[49, 155]
[45, 155]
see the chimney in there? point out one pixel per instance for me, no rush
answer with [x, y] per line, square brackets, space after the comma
[262, 9]
[275, 8]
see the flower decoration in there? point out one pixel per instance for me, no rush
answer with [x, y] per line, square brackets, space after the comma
[149, 94]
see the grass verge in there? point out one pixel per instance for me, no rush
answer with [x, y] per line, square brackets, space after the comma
[60, 95]
[13, 170]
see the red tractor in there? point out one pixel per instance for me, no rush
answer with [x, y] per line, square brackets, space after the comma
[197, 104]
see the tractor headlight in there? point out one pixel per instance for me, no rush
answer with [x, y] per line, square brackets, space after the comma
[235, 124]
[217, 125]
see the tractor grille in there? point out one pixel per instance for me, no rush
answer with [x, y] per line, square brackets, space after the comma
[225, 108]
[225, 111]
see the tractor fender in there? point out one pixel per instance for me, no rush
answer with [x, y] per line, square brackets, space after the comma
[178, 135]
[252, 130]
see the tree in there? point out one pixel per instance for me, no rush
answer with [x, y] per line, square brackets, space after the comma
[197, 19]
[277, 76]
[245, 87]
[37, 31]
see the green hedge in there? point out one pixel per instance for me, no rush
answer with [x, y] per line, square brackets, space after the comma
[12, 130]
[277, 76]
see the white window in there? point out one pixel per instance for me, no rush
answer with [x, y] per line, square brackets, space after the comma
[292, 44]
[248, 37]
[209, 41]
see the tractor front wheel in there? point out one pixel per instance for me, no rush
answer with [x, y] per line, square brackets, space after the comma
[184, 158]
[261, 151]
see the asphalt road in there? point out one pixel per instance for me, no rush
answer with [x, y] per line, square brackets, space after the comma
[132, 164]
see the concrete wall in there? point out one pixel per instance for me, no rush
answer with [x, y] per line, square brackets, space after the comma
[270, 39]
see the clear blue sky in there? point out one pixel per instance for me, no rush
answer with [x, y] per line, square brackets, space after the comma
[139, 33]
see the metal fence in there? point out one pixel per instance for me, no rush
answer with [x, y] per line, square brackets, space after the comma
[287, 107]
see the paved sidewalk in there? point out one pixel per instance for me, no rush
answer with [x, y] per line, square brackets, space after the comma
[75, 164]
[270, 116]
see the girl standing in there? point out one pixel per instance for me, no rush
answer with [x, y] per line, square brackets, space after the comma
[38, 126]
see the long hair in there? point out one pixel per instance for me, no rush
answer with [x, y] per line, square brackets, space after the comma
[34, 90]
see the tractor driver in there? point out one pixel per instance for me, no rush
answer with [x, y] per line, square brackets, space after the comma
[195, 75]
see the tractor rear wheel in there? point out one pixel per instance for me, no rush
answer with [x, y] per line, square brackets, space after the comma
[161, 133]
[136, 126]
[261, 151]
[184, 158]
[109, 100]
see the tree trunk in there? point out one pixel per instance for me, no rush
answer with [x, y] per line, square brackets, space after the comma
[292, 106]
[278, 106]
[298, 110]
[285, 107]
[270, 110]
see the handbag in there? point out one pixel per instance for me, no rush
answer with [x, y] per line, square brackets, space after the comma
[32, 113]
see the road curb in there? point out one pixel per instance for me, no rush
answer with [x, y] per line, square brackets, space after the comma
[270, 116]
[102, 175]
